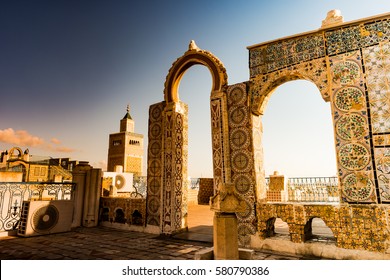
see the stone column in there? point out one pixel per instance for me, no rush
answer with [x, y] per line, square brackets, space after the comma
[174, 173]
[225, 236]
[225, 203]
[92, 197]
[79, 175]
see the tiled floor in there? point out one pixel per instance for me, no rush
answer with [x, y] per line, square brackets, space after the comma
[109, 244]
[113, 244]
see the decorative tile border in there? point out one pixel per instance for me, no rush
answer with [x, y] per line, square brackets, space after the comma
[288, 52]
[241, 158]
[154, 174]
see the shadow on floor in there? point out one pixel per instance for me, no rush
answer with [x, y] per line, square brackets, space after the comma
[198, 233]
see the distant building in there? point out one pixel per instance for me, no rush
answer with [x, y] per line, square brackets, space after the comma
[19, 166]
[126, 148]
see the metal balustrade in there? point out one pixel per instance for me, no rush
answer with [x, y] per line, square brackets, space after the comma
[313, 189]
[194, 183]
[140, 186]
[12, 195]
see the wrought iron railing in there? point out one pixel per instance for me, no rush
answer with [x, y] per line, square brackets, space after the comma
[194, 183]
[140, 187]
[313, 189]
[12, 195]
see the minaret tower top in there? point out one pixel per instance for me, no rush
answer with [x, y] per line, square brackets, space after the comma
[127, 123]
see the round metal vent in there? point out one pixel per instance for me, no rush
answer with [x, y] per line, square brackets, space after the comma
[45, 218]
[120, 181]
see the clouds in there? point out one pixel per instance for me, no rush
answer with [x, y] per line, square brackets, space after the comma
[24, 138]
[20, 138]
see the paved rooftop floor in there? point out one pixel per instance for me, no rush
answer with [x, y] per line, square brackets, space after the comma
[109, 244]
[114, 244]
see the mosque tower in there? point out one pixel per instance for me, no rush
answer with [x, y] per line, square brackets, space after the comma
[126, 148]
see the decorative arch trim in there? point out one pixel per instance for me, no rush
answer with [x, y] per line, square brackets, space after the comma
[12, 151]
[263, 85]
[194, 56]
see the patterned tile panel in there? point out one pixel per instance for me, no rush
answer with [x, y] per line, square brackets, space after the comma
[242, 158]
[382, 159]
[217, 141]
[377, 65]
[175, 129]
[285, 53]
[154, 178]
[352, 135]
[281, 54]
[360, 227]
[381, 140]
[351, 38]
[314, 71]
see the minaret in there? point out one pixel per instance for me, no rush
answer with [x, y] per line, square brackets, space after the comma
[127, 123]
[125, 148]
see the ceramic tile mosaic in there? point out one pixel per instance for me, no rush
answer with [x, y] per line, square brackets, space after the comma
[263, 84]
[242, 157]
[382, 159]
[377, 65]
[351, 128]
[381, 140]
[154, 178]
[350, 67]
[356, 36]
[281, 54]
[361, 227]
[217, 140]
[168, 142]
[274, 56]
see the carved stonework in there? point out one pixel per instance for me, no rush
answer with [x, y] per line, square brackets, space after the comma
[193, 56]
[227, 201]
[333, 18]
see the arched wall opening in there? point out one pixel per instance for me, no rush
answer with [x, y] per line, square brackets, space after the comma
[167, 207]
[194, 90]
[278, 228]
[298, 132]
[316, 230]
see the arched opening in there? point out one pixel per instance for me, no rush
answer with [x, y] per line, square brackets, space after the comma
[194, 90]
[136, 218]
[104, 214]
[15, 153]
[298, 133]
[172, 213]
[277, 228]
[317, 231]
[119, 216]
[281, 227]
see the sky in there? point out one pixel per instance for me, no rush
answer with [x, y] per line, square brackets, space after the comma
[69, 68]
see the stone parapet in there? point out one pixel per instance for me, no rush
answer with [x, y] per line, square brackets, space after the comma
[359, 227]
[125, 211]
